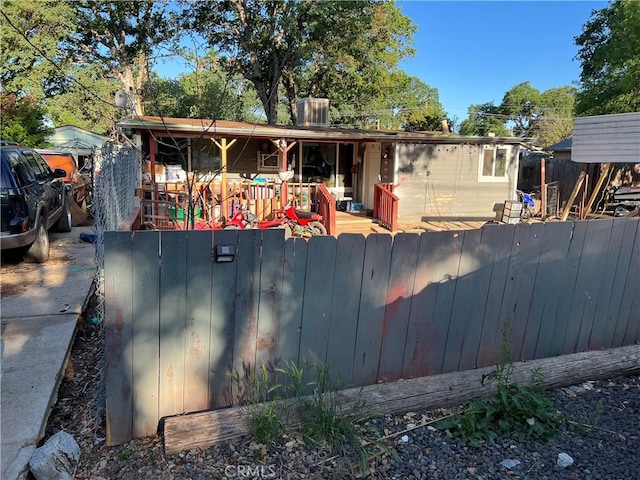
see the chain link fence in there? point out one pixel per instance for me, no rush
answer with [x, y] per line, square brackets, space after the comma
[116, 175]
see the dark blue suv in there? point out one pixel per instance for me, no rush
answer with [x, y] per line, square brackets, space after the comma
[34, 200]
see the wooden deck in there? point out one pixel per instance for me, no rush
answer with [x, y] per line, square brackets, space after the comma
[360, 222]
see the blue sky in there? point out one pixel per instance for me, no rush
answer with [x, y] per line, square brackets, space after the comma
[475, 51]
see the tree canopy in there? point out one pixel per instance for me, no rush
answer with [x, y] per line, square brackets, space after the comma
[609, 54]
[546, 117]
[338, 50]
[23, 121]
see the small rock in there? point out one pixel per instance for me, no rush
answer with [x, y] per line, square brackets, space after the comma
[405, 439]
[57, 459]
[564, 460]
[509, 463]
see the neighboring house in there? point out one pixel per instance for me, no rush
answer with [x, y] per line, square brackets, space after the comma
[561, 151]
[436, 175]
[81, 143]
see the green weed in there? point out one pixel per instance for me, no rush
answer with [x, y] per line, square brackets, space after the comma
[521, 411]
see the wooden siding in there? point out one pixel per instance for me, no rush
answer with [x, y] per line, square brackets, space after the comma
[606, 139]
[441, 181]
[374, 308]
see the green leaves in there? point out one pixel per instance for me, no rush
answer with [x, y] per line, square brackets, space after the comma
[521, 411]
[609, 53]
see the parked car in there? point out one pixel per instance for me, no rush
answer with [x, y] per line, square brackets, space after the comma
[34, 200]
[80, 183]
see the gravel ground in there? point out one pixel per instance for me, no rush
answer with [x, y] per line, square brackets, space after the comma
[607, 446]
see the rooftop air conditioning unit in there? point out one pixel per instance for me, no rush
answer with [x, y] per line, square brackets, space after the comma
[313, 112]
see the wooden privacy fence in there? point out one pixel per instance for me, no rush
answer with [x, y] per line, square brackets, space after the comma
[374, 309]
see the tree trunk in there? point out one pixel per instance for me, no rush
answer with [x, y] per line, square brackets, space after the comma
[437, 391]
[290, 88]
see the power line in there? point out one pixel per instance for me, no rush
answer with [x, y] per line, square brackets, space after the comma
[60, 69]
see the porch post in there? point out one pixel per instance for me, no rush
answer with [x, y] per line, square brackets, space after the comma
[152, 163]
[283, 148]
[224, 193]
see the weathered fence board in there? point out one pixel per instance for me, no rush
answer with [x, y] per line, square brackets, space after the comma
[609, 265]
[371, 309]
[448, 254]
[118, 285]
[523, 266]
[547, 290]
[247, 299]
[398, 304]
[317, 303]
[173, 290]
[625, 287]
[146, 334]
[499, 239]
[592, 275]
[474, 274]
[345, 305]
[198, 321]
[295, 265]
[269, 304]
[223, 318]
[568, 270]
[375, 280]
[630, 307]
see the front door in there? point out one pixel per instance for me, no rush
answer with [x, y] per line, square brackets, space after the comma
[371, 172]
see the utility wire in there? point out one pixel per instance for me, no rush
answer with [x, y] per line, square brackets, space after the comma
[60, 69]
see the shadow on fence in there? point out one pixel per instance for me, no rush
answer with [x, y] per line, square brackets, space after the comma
[374, 309]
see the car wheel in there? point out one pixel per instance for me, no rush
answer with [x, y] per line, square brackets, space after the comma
[64, 223]
[38, 251]
[317, 228]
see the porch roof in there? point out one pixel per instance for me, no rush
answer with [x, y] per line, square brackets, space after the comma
[226, 128]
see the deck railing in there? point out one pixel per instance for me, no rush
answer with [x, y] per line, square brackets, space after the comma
[385, 205]
[326, 208]
[175, 209]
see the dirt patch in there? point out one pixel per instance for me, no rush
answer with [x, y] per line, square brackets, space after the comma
[10, 290]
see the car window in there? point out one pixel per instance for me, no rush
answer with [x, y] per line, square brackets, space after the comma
[23, 172]
[39, 166]
[6, 182]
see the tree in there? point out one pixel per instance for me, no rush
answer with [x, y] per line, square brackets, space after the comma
[556, 120]
[312, 48]
[522, 106]
[121, 37]
[484, 119]
[202, 94]
[609, 54]
[23, 121]
[85, 99]
[31, 60]
[352, 58]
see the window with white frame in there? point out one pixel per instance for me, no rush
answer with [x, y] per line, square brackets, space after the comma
[268, 162]
[494, 161]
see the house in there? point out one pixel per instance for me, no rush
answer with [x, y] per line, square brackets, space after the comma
[80, 142]
[432, 175]
[561, 151]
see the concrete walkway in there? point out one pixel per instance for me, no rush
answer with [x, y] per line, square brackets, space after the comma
[40, 308]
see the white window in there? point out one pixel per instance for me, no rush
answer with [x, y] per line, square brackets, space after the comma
[494, 162]
[268, 162]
